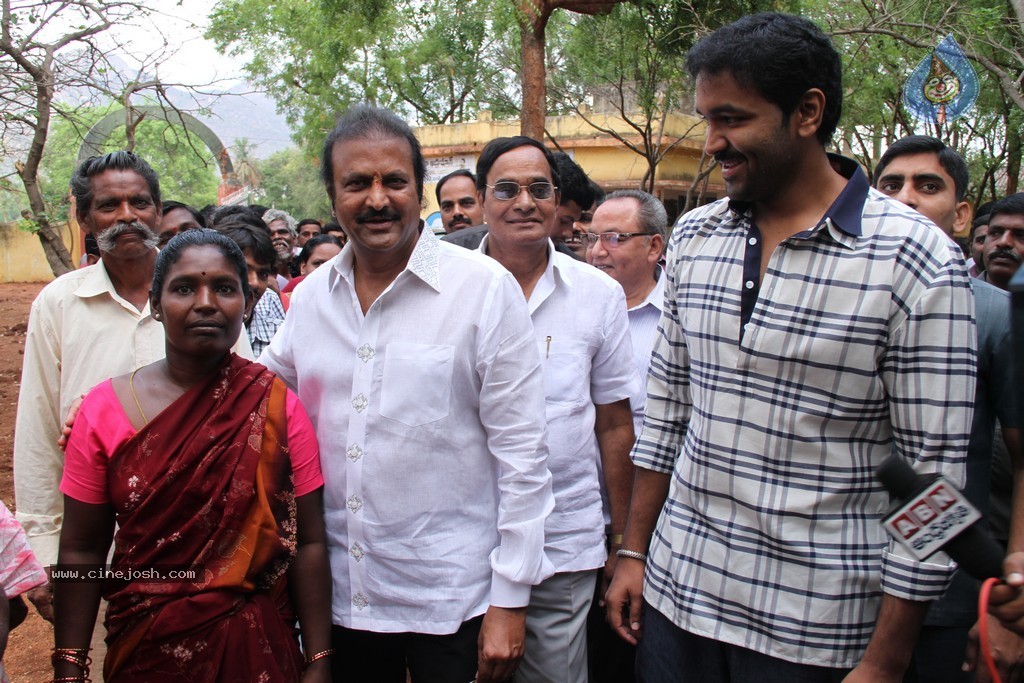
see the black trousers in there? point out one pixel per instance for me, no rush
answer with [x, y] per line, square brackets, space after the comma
[365, 656]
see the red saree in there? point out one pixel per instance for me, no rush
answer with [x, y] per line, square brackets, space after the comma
[206, 485]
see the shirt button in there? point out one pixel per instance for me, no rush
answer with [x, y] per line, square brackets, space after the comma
[360, 402]
[356, 551]
[360, 601]
[354, 504]
[354, 452]
[365, 353]
[752, 241]
[750, 284]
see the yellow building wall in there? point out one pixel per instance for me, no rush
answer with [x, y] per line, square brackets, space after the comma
[21, 254]
[606, 160]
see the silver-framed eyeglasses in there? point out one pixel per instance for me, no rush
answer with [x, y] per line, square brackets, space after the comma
[507, 190]
[612, 239]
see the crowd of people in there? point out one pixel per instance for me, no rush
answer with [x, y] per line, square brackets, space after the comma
[559, 443]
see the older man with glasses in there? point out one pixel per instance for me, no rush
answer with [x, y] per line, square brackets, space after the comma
[580, 324]
[625, 239]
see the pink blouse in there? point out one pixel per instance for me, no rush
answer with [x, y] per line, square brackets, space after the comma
[106, 427]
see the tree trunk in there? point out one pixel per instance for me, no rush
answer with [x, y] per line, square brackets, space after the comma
[534, 109]
[57, 255]
[1013, 154]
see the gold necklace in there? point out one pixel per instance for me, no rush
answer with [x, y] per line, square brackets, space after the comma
[131, 385]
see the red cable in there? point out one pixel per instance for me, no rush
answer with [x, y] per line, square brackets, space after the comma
[986, 653]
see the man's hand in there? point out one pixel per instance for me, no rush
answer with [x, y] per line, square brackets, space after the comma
[42, 598]
[1007, 649]
[624, 599]
[501, 643]
[607, 575]
[69, 422]
[1006, 601]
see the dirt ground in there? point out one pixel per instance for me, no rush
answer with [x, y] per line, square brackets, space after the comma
[27, 656]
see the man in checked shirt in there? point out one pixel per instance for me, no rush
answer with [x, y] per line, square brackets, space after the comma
[811, 328]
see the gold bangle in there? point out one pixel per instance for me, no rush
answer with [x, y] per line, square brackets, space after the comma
[320, 655]
[79, 656]
[615, 539]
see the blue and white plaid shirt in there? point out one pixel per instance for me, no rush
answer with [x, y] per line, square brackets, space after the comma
[772, 402]
[267, 316]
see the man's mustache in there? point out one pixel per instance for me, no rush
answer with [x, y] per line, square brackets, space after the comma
[107, 240]
[1003, 252]
[382, 214]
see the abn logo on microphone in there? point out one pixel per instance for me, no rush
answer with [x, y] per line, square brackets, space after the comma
[933, 516]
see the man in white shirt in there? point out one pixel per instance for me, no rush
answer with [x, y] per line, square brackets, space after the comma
[625, 240]
[86, 326]
[417, 364]
[580, 326]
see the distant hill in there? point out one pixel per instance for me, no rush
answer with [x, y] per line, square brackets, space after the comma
[241, 113]
[238, 112]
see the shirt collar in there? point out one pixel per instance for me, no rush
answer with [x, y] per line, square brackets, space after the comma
[96, 281]
[655, 297]
[843, 218]
[548, 280]
[424, 261]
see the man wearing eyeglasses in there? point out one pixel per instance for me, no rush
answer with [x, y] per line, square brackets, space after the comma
[581, 328]
[625, 240]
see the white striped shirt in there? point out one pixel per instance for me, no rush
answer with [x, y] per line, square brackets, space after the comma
[860, 343]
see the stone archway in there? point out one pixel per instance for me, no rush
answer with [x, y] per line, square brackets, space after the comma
[93, 143]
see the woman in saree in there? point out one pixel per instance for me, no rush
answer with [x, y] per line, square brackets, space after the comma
[210, 468]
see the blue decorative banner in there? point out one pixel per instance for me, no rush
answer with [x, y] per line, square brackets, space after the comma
[944, 86]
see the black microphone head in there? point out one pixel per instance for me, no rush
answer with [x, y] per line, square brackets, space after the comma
[898, 477]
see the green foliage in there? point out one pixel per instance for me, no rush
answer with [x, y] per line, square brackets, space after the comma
[316, 59]
[881, 44]
[291, 182]
[184, 165]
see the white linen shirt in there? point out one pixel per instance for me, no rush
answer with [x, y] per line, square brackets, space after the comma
[429, 413]
[80, 332]
[580, 324]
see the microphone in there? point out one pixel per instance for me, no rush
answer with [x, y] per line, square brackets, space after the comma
[933, 515]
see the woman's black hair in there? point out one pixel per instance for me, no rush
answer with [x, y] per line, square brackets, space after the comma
[200, 237]
[314, 242]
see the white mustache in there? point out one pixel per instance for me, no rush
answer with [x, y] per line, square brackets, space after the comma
[107, 240]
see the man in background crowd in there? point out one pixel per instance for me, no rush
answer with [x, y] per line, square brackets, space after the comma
[1004, 242]
[625, 239]
[307, 228]
[177, 218]
[930, 177]
[456, 195]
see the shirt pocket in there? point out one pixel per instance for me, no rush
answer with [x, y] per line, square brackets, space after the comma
[417, 384]
[566, 372]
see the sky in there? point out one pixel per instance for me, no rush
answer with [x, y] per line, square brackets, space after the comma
[194, 59]
[197, 60]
